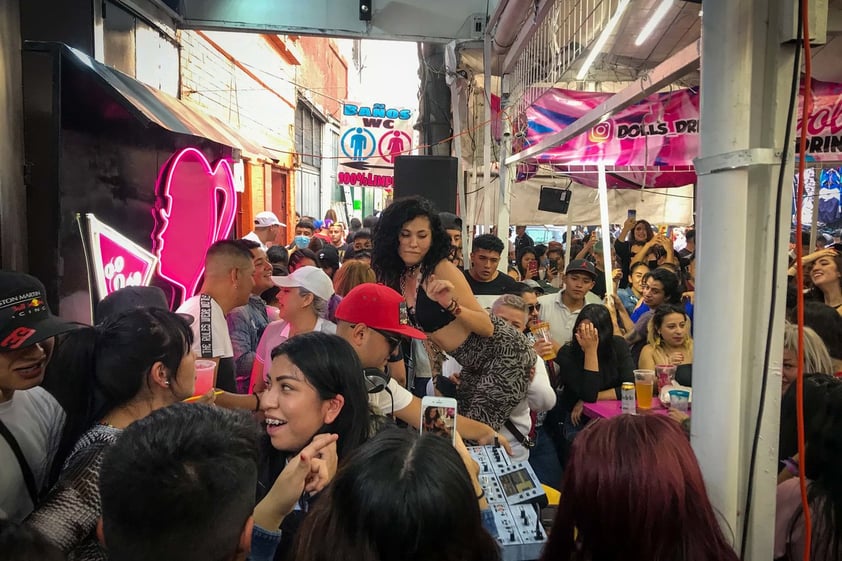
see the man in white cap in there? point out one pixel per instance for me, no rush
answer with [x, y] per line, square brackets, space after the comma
[266, 227]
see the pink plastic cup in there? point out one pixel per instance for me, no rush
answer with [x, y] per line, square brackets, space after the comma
[205, 376]
[665, 374]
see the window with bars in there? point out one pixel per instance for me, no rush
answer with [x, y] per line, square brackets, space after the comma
[308, 136]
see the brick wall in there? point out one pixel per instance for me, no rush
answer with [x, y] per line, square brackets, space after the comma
[325, 72]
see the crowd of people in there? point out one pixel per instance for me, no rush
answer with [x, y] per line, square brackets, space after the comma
[306, 444]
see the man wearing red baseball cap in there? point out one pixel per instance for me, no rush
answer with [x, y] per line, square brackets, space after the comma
[372, 317]
[31, 420]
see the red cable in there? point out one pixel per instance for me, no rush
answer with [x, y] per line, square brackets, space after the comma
[807, 106]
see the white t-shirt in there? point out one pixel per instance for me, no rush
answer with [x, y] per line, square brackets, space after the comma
[222, 347]
[540, 397]
[276, 333]
[383, 403]
[560, 317]
[36, 420]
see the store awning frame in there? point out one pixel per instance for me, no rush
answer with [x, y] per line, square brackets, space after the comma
[152, 106]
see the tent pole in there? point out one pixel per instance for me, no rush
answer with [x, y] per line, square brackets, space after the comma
[568, 247]
[456, 111]
[606, 229]
[814, 227]
[504, 199]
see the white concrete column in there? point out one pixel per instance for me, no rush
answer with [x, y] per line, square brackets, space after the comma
[745, 89]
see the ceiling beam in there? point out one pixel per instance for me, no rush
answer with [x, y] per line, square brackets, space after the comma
[524, 35]
[682, 62]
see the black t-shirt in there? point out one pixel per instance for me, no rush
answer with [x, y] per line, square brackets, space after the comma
[501, 284]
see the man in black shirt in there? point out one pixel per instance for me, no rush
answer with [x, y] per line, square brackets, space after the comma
[522, 239]
[483, 276]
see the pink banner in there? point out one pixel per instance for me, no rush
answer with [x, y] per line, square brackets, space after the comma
[654, 141]
[824, 127]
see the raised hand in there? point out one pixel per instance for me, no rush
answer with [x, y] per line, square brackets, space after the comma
[440, 291]
[587, 336]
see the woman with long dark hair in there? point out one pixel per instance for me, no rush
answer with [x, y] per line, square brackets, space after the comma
[634, 235]
[316, 411]
[526, 256]
[826, 276]
[593, 366]
[122, 370]
[650, 504]
[411, 250]
[823, 464]
[399, 497]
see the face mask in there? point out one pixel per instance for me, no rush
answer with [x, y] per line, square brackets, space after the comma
[301, 242]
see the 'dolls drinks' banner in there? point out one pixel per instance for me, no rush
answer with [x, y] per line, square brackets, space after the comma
[655, 140]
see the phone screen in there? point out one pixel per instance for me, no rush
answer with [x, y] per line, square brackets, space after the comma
[532, 268]
[439, 420]
[632, 214]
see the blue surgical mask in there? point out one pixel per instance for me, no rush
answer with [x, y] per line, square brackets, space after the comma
[301, 241]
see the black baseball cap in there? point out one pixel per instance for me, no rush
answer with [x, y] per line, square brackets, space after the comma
[450, 221]
[25, 317]
[329, 257]
[581, 266]
[130, 298]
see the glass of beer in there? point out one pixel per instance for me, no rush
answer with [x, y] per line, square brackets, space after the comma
[541, 331]
[644, 386]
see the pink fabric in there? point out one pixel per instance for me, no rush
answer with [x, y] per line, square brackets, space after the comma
[610, 408]
[789, 502]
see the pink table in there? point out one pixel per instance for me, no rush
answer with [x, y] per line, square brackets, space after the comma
[612, 408]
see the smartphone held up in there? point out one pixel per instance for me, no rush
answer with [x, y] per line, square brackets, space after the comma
[438, 416]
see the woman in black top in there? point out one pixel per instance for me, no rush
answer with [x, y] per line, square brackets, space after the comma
[635, 234]
[593, 365]
[411, 250]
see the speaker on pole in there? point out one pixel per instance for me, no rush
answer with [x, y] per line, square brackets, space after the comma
[432, 177]
[554, 200]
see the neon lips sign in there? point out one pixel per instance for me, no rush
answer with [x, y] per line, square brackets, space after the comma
[196, 206]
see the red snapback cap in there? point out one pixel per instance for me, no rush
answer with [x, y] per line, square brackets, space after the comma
[379, 307]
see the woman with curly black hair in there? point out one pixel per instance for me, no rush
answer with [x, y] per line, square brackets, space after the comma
[411, 251]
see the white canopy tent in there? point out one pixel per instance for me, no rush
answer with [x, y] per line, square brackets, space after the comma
[658, 206]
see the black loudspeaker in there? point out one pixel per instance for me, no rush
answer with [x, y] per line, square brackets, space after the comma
[554, 200]
[432, 177]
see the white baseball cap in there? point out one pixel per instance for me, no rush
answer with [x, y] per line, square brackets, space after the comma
[267, 218]
[309, 278]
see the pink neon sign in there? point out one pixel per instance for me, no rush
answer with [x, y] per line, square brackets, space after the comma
[196, 206]
[117, 261]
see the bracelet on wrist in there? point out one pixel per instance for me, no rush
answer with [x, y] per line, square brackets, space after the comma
[481, 495]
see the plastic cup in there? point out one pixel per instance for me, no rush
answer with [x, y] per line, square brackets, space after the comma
[644, 387]
[541, 331]
[205, 376]
[680, 400]
[665, 374]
